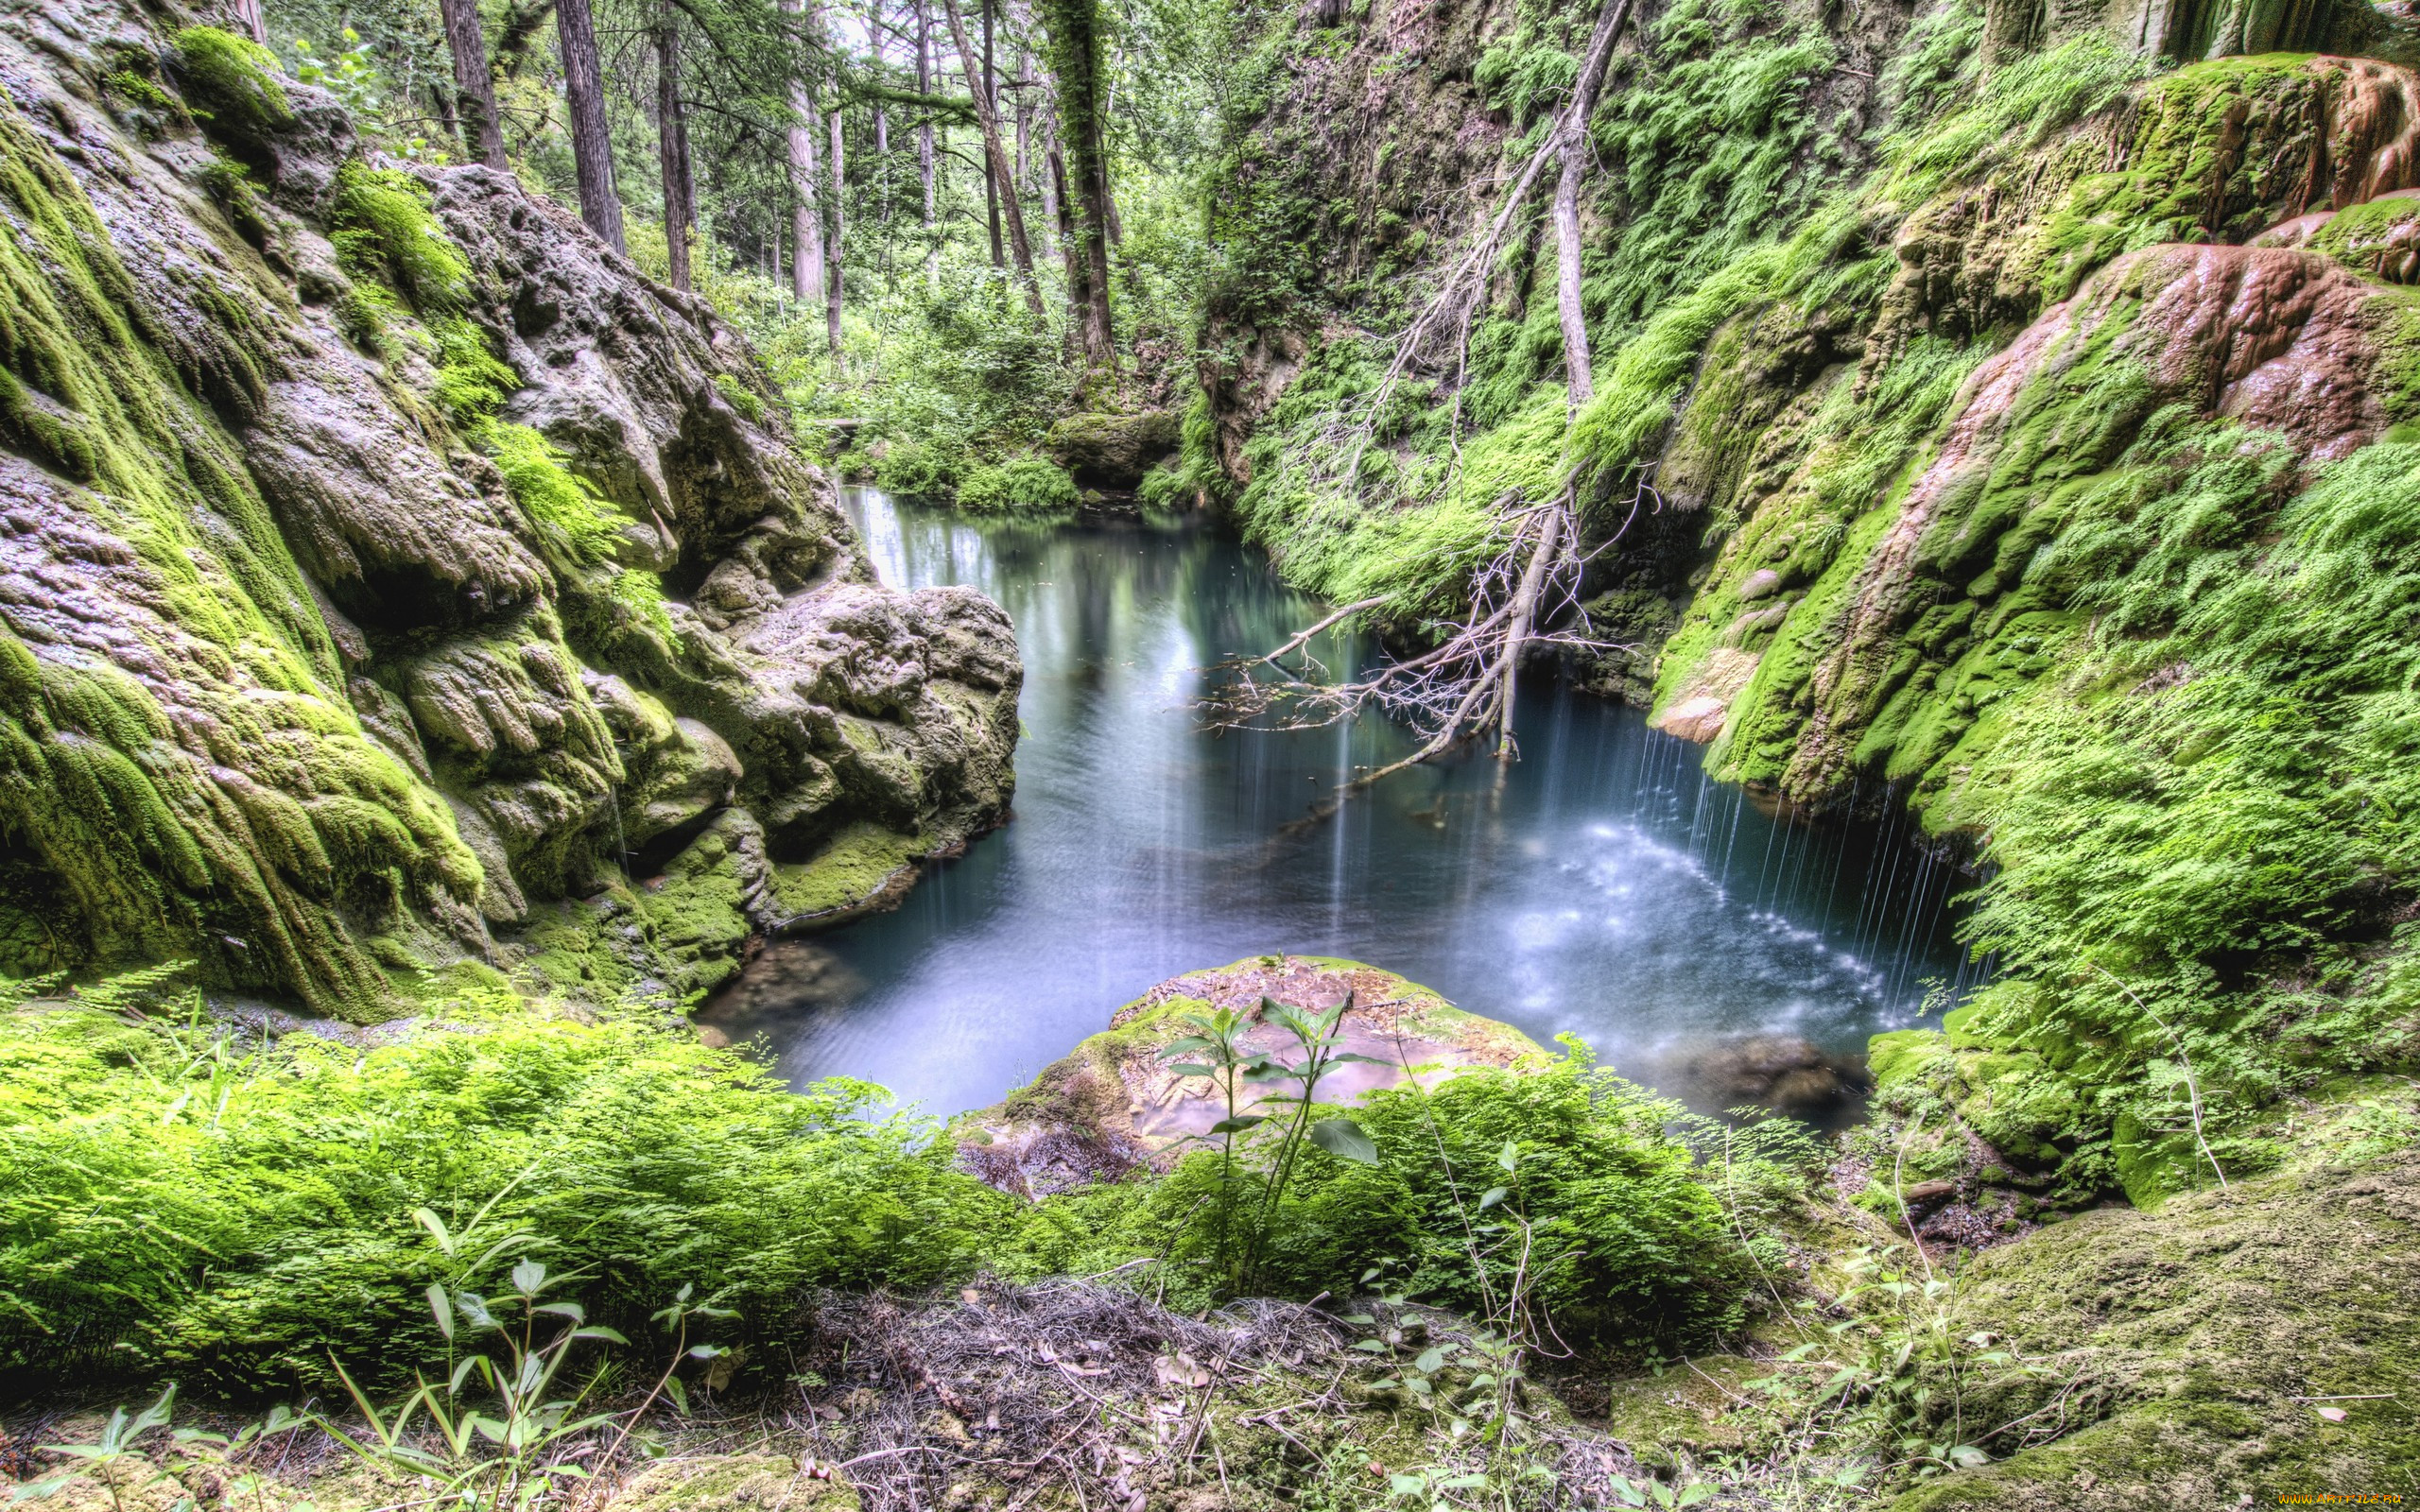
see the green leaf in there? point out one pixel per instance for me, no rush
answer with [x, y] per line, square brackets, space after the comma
[1432, 1360]
[1345, 1139]
[1372, 1346]
[435, 1225]
[1190, 1068]
[1405, 1485]
[1239, 1123]
[443, 1309]
[1492, 1196]
[1510, 1156]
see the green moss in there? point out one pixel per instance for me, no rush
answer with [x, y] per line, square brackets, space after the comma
[2178, 1342]
[383, 229]
[740, 399]
[852, 867]
[230, 83]
[146, 851]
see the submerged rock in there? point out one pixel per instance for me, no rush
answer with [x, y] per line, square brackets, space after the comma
[1784, 1073]
[1114, 1104]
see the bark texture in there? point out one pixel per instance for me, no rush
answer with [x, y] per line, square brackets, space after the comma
[591, 141]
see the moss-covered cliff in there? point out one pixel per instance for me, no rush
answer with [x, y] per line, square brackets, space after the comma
[396, 589]
[2010, 414]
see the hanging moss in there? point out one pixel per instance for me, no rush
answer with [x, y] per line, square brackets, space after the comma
[156, 834]
[384, 229]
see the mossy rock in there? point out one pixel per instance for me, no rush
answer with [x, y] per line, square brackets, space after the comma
[2194, 1348]
[1688, 1412]
[1112, 451]
[1113, 1105]
[862, 868]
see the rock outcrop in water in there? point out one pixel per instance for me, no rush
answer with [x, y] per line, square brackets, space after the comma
[1114, 1105]
[398, 587]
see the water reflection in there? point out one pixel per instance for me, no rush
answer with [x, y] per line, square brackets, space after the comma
[1602, 886]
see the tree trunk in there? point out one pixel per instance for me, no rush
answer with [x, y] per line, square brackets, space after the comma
[832, 276]
[1025, 119]
[1053, 174]
[992, 172]
[1108, 201]
[672, 146]
[1080, 297]
[806, 215]
[996, 156]
[255, 25]
[474, 87]
[924, 147]
[1572, 136]
[592, 142]
[1075, 42]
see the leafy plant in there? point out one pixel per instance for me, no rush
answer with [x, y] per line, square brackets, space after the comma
[1232, 1065]
[112, 1459]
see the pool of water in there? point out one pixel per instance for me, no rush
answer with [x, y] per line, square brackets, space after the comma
[1599, 887]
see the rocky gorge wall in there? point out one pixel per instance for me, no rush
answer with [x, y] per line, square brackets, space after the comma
[2010, 417]
[402, 595]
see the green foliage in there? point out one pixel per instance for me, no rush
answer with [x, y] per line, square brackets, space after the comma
[1022, 483]
[917, 471]
[1525, 82]
[1626, 1243]
[384, 229]
[577, 526]
[472, 382]
[178, 1200]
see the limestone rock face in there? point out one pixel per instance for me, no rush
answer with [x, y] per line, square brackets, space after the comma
[373, 619]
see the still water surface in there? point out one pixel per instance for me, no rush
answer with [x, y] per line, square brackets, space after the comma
[1602, 886]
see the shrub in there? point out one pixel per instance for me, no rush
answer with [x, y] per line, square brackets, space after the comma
[174, 1201]
[916, 469]
[1630, 1246]
[1026, 483]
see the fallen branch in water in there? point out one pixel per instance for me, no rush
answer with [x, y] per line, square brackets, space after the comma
[1462, 686]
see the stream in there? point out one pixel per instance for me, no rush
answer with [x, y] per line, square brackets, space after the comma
[1601, 887]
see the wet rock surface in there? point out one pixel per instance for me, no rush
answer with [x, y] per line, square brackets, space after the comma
[301, 687]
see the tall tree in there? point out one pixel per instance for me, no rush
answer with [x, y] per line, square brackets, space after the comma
[993, 153]
[672, 145]
[992, 175]
[1053, 174]
[592, 142]
[1075, 56]
[474, 87]
[924, 147]
[832, 276]
[807, 215]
